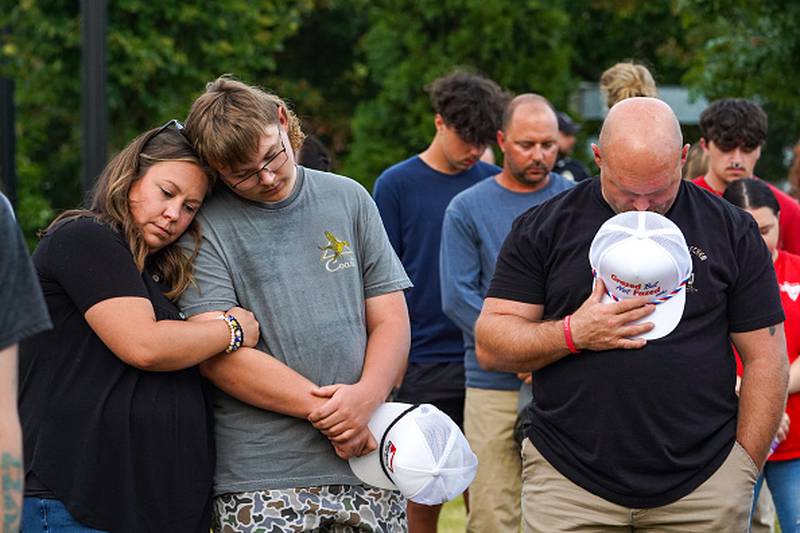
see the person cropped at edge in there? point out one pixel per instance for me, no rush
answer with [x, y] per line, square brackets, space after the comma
[626, 79]
[733, 131]
[570, 168]
[782, 471]
[475, 224]
[628, 433]
[115, 415]
[412, 196]
[19, 289]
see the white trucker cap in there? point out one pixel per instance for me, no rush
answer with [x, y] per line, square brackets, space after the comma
[421, 452]
[641, 253]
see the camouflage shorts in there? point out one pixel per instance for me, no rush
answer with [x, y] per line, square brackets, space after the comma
[330, 508]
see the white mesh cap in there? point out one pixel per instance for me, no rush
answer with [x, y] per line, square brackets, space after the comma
[640, 253]
[421, 452]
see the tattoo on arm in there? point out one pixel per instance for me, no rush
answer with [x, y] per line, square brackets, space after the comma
[11, 479]
[772, 330]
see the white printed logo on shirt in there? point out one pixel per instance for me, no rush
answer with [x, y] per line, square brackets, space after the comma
[792, 289]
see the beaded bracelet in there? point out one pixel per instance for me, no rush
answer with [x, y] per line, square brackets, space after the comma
[237, 335]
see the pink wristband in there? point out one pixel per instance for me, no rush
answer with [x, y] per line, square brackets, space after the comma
[568, 336]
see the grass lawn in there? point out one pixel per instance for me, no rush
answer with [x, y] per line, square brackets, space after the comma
[454, 517]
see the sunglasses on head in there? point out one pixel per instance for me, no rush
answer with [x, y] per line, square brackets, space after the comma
[173, 122]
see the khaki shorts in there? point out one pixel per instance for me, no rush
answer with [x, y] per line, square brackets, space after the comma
[551, 503]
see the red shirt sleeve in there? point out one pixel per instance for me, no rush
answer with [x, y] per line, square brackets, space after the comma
[789, 222]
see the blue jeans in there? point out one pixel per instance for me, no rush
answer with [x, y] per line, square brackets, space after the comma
[783, 478]
[44, 516]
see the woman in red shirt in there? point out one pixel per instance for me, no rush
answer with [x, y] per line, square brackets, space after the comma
[782, 471]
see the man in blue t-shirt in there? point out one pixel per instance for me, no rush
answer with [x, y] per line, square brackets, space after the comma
[475, 225]
[412, 196]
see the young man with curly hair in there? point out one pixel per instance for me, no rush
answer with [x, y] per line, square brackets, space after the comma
[412, 197]
[732, 132]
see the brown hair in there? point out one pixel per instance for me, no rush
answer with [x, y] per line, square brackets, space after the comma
[734, 122]
[470, 104]
[626, 80]
[227, 122]
[109, 204]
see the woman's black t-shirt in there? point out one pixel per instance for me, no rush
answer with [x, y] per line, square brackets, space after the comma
[125, 450]
[640, 428]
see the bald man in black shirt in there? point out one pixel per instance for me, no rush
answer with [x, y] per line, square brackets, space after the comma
[625, 432]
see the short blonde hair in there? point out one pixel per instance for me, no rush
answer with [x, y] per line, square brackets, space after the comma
[626, 80]
[227, 122]
[696, 163]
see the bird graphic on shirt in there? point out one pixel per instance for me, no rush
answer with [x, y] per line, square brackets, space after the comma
[334, 245]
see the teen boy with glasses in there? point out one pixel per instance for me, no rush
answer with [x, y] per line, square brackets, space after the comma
[306, 251]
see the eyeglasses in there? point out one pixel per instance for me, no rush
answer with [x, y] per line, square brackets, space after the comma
[174, 122]
[272, 165]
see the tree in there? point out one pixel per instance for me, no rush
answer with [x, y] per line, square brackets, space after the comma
[355, 70]
[750, 49]
[609, 31]
[523, 46]
[159, 57]
[322, 73]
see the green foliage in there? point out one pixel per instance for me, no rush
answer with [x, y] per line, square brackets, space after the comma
[321, 71]
[159, 56]
[608, 31]
[751, 50]
[524, 46]
[355, 70]
[42, 56]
